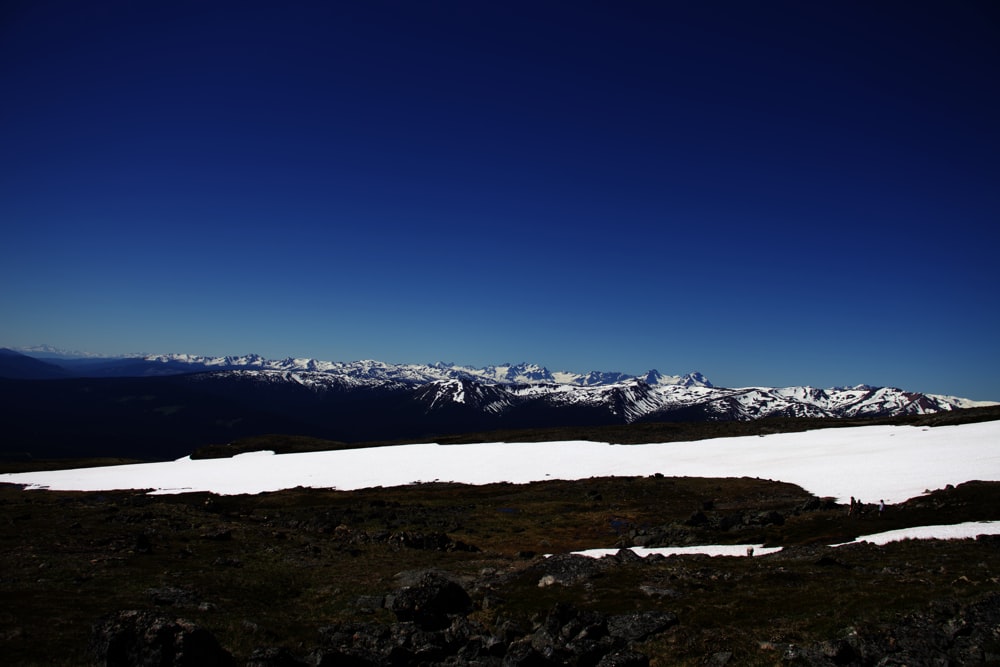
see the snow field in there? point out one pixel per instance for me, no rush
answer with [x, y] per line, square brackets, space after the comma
[871, 463]
[893, 463]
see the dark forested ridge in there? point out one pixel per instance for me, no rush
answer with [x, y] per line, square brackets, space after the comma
[161, 418]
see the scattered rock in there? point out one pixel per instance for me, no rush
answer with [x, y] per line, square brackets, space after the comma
[274, 657]
[699, 518]
[946, 634]
[369, 603]
[640, 626]
[827, 560]
[624, 659]
[523, 654]
[429, 541]
[218, 535]
[656, 592]
[566, 635]
[569, 569]
[627, 556]
[719, 659]
[170, 596]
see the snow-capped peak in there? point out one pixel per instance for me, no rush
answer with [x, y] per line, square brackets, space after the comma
[694, 379]
[506, 373]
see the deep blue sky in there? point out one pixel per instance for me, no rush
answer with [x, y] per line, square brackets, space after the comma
[771, 193]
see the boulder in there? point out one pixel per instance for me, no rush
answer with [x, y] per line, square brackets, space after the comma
[431, 602]
[639, 626]
[523, 654]
[569, 569]
[145, 639]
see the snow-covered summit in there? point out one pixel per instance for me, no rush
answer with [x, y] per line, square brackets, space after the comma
[507, 373]
[511, 394]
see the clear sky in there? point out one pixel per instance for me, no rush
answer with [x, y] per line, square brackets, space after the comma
[773, 193]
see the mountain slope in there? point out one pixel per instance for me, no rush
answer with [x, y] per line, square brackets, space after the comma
[19, 366]
[634, 400]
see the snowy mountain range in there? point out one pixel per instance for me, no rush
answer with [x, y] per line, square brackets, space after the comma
[162, 406]
[367, 371]
[630, 400]
[502, 388]
[499, 389]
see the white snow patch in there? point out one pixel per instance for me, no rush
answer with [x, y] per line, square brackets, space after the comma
[893, 463]
[957, 531]
[705, 550]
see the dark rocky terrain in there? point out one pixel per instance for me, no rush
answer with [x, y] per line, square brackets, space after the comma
[450, 574]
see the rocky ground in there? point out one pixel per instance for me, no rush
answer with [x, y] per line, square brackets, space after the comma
[451, 574]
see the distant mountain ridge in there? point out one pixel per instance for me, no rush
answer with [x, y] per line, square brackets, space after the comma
[627, 396]
[629, 400]
[522, 373]
[164, 406]
[13, 364]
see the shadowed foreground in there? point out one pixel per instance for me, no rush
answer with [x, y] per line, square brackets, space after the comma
[453, 574]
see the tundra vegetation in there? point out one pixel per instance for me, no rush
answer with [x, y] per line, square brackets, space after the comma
[439, 573]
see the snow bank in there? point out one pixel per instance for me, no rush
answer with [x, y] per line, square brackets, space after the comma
[870, 462]
[705, 550]
[957, 531]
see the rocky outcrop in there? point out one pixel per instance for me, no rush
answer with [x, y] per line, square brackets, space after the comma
[146, 639]
[433, 627]
[946, 634]
[706, 522]
[431, 602]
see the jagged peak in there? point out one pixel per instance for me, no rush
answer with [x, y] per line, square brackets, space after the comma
[505, 373]
[693, 379]
[696, 379]
[652, 393]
